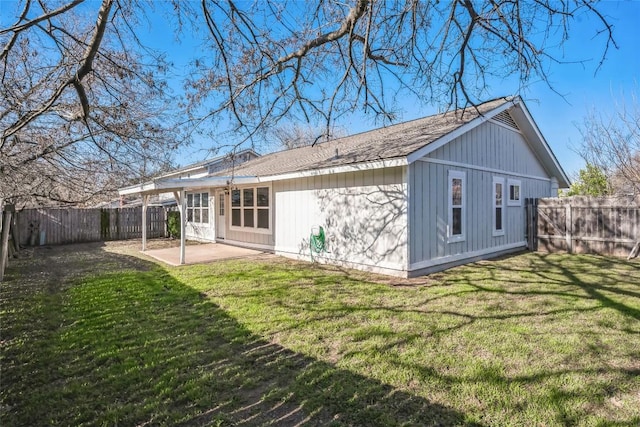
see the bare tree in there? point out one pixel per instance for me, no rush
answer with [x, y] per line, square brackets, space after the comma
[294, 135]
[317, 60]
[82, 109]
[81, 94]
[612, 143]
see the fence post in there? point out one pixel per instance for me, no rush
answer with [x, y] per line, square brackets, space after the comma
[568, 227]
[4, 250]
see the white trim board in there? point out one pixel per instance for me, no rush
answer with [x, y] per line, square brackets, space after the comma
[482, 168]
[465, 255]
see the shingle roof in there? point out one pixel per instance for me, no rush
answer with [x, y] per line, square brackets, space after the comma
[392, 142]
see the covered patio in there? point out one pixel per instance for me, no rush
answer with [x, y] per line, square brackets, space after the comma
[179, 187]
[202, 253]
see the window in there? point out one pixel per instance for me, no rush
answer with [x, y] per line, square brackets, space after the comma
[456, 206]
[498, 206]
[198, 207]
[235, 208]
[250, 208]
[221, 205]
[247, 204]
[263, 207]
[514, 193]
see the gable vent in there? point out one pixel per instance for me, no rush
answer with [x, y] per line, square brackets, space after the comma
[505, 118]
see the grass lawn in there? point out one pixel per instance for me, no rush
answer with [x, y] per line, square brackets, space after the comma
[95, 335]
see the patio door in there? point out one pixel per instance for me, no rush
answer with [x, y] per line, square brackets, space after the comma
[220, 210]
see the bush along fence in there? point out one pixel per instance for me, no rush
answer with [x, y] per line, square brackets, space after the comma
[596, 225]
[53, 226]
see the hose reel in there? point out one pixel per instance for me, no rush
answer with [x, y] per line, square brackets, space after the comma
[317, 242]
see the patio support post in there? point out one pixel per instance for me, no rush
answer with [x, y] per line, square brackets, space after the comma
[145, 202]
[182, 207]
[183, 228]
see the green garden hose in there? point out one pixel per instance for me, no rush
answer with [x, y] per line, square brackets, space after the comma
[317, 242]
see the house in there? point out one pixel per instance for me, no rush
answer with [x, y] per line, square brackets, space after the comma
[404, 200]
[196, 228]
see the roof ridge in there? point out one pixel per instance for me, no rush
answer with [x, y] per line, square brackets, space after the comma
[505, 98]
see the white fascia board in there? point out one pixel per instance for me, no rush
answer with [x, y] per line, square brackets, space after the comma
[445, 139]
[177, 184]
[356, 167]
[544, 144]
[147, 187]
[205, 182]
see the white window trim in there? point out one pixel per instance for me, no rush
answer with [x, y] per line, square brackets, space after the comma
[510, 202]
[453, 174]
[498, 180]
[229, 208]
[208, 207]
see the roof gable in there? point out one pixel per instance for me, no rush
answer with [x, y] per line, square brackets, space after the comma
[518, 119]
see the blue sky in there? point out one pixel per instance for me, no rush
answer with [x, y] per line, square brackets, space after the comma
[580, 87]
[585, 90]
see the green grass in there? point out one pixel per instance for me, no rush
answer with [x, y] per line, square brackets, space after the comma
[105, 338]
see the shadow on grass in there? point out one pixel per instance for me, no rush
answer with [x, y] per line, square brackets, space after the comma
[587, 277]
[138, 347]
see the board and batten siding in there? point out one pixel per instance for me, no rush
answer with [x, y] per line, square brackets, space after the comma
[494, 146]
[364, 215]
[487, 152]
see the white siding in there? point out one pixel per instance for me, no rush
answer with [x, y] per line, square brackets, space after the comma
[488, 151]
[200, 232]
[364, 215]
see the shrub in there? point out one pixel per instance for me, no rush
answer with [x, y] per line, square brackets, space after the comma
[173, 224]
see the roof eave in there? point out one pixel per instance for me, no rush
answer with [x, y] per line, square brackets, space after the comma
[546, 155]
[353, 167]
[168, 185]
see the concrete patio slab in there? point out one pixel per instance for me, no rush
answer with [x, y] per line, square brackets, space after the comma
[199, 254]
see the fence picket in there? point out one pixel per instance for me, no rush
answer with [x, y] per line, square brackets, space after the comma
[606, 226]
[70, 225]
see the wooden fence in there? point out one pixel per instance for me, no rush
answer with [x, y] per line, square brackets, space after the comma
[52, 226]
[605, 226]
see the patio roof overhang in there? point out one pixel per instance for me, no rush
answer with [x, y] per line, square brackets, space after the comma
[177, 184]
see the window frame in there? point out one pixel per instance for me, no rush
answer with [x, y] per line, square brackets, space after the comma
[456, 174]
[494, 206]
[192, 208]
[510, 201]
[255, 207]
